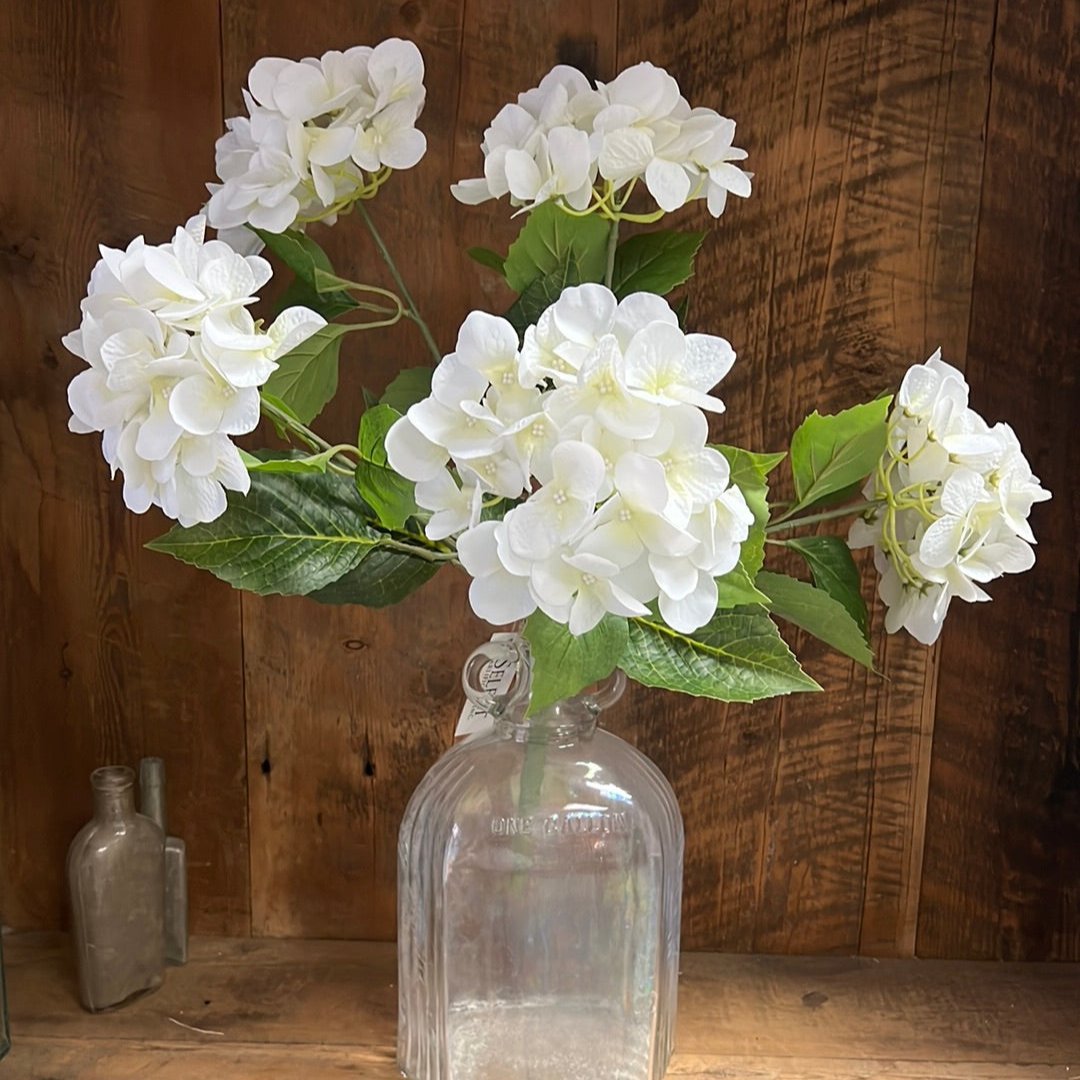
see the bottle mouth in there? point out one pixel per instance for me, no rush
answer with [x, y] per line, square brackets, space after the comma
[112, 778]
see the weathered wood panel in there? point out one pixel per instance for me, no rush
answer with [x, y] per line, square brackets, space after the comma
[109, 652]
[852, 260]
[1003, 855]
[346, 708]
[324, 1009]
[855, 257]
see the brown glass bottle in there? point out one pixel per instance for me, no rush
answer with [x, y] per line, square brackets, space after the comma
[116, 878]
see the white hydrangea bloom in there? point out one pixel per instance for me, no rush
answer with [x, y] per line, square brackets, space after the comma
[955, 495]
[174, 363]
[596, 425]
[319, 134]
[581, 145]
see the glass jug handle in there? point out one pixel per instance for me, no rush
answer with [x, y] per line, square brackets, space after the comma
[497, 676]
[607, 692]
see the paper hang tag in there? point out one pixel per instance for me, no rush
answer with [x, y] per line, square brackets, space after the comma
[496, 679]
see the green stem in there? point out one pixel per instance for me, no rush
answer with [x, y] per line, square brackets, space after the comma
[826, 515]
[612, 244]
[427, 554]
[410, 303]
[308, 437]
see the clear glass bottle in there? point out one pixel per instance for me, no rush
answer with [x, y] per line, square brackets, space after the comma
[539, 889]
[116, 878]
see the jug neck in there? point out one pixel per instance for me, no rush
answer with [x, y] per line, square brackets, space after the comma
[114, 793]
[562, 724]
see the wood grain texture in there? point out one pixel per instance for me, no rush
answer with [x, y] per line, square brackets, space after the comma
[852, 260]
[323, 1008]
[903, 199]
[347, 708]
[109, 652]
[1002, 872]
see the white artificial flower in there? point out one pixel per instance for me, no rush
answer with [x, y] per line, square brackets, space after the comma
[634, 519]
[454, 508]
[390, 138]
[496, 593]
[696, 474]
[601, 392]
[594, 427]
[558, 511]
[665, 366]
[538, 148]
[567, 141]
[953, 499]
[318, 135]
[174, 362]
[578, 588]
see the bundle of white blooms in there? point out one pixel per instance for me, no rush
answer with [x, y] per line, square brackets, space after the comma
[564, 134]
[596, 424]
[955, 495]
[175, 361]
[319, 134]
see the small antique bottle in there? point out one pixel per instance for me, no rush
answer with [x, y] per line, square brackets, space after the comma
[152, 804]
[539, 887]
[116, 878]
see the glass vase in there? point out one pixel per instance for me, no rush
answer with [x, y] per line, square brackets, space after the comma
[116, 879]
[540, 879]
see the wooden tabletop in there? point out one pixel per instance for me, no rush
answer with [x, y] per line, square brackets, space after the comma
[325, 1009]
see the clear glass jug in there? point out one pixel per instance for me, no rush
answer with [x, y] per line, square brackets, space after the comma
[540, 880]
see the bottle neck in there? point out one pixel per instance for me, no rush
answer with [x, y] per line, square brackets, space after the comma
[114, 793]
[152, 790]
[562, 724]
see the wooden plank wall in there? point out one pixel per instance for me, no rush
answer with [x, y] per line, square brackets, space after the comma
[916, 185]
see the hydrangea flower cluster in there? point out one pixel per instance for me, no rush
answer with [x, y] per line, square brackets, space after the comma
[174, 365]
[319, 134]
[955, 495]
[595, 427]
[564, 136]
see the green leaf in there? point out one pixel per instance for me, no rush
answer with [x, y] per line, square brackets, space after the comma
[816, 612]
[307, 376]
[737, 656]
[538, 296]
[749, 473]
[304, 257]
[407, 388]
[311, 463]
[831, 453]
[291, 534]
[387, 493]
[383, 578]
[553, 240]
[300, 293]
[374, 425]
[736, 588]
[655, 262]
[282, 431]
[486, 257]
[834, 571]
[298, 252]
[563, 665]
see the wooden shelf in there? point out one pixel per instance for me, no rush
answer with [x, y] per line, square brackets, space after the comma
[325, 1009]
